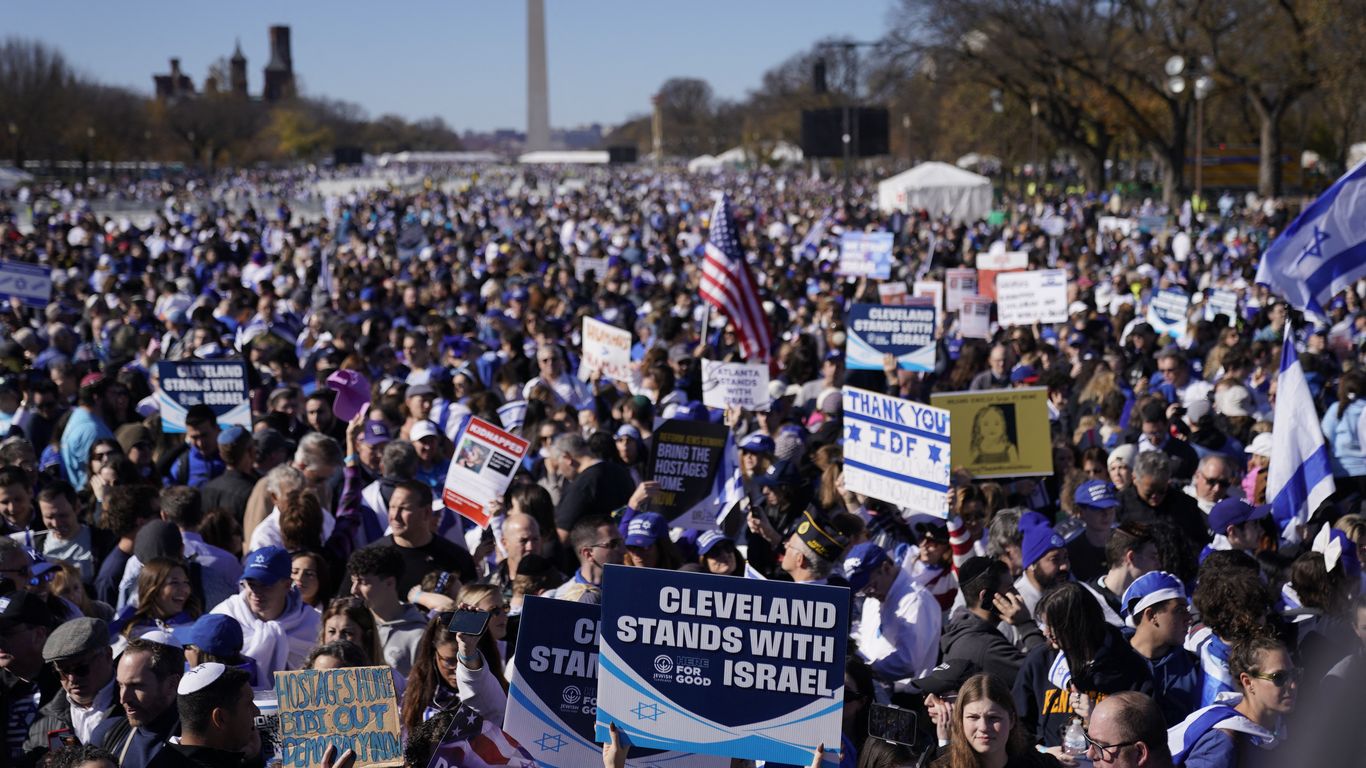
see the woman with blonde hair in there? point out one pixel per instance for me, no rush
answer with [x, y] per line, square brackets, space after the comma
[493, 643]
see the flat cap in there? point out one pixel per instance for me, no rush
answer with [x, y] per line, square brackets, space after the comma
[76, 637]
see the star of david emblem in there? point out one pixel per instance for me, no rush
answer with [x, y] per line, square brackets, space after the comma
[550, 742]
[1314, 249]
[644, 711]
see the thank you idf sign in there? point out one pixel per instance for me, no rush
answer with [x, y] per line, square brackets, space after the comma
[553, 693]
[721, 665]
[896, 450]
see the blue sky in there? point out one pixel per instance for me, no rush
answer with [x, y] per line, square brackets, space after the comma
[460, 59]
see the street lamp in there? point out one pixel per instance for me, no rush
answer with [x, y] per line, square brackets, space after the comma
[1195, 75]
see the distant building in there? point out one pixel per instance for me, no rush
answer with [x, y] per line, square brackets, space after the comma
[280, 70]
[237, 66]
[174, 85]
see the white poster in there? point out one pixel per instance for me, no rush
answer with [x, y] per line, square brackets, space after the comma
[930, 289]
[974, 319]
[896, 450]
[1003, 261]
[606, 348]
[893, 293]
[742, 384]
[1025, 298]
[959, 284]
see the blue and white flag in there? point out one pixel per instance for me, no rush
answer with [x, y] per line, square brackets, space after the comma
[1324, 250]
[810, 246]
[1300, 477]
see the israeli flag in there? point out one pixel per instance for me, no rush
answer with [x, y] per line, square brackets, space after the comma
[1300, 477]
[1324, 250]
[810, 246]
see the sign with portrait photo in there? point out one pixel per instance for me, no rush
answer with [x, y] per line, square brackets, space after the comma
[1000, 432]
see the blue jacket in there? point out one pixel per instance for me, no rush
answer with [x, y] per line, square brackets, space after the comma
[1176, 684]
[1349, 457]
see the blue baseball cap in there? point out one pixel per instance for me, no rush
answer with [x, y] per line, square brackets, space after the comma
[1099, 494]
[860, 563]
[757, 443]
[1148, 590]
[376, 433]
[1038, 541]
[710, 540]
[644, 529]
[1234, 512]
[268, 565]
[216, 634]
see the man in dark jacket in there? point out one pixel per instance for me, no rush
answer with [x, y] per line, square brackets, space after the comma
[79, 652]
[217, 720]
[147, 674]
[231, 489]
[1150, 498]
[26, 683]
[989, 597]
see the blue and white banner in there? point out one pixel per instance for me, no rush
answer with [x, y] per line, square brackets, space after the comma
[1323, 251]
[31, 284]
[219, 384]
[897, 451]
[1300, 477]
[722, 665]
[553, 691]
[866, 254]
[1222, 302]
[905, 332]
[1167, 312]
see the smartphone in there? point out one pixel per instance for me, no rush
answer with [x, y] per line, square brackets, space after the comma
[62, 737]
[892, 724]
[469, 622]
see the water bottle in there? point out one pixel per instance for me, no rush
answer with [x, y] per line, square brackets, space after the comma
[1074, 738]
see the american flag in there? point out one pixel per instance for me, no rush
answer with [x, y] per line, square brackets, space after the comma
[728, 285]
[473, 742]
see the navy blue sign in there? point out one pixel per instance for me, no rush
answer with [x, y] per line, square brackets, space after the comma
[906, 332]
[553, 695]
[219, 384]
[722, 665]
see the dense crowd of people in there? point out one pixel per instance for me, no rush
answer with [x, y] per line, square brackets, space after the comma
[1141, 605]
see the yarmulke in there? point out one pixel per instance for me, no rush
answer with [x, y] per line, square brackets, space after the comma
[200, 677]
[163, 637]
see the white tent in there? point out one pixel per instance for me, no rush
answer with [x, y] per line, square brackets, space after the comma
[939, 188]
[704, 164]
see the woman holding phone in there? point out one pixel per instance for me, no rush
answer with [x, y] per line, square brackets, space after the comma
[450, 670]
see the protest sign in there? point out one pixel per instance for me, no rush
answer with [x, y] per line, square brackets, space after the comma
[929, 289]
[974, 320]
[720, 665]
[897, 451]
[1167, 312]
[1003, 261]
[742, 384]
[31, 284]
[1115, 224]
[606, 348]
[892, 293]
[959, 284]
[866, 254]
[553, 690]
[1025, 298]
[351, 708]
[906, 333]
[684, 457]
[219, 384]
[1222, 302]
[585, 264]
[486, 456]
[1000, 432]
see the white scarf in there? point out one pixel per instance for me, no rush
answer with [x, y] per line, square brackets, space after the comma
[276, 645]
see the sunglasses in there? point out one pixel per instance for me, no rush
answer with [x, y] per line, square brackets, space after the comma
[1280, 678]
[80, 670]
[1218, 482]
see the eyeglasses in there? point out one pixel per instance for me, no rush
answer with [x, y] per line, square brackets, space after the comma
[1165, 371]
[1218, 482]
[1106, 752]
[609, 544]
[80, 670]
[1280, 678]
